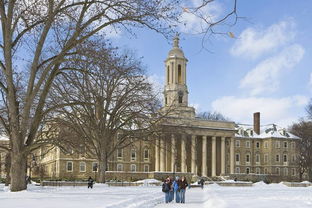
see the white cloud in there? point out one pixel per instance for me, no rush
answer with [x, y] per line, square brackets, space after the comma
[253, 42]
[281, 111]
[266, 75]
[194, 24]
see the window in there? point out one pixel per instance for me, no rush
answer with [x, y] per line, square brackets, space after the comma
[293, 158]
[258, 145]
[82, 167]
[285, 144]
[237, 170]
[293, 171]
[179, 74]
[166, 100]
[69, 166]
[94, 167]
[237, 157]
[277, 171]
[285, 171]
[119, 167]
[258, 171]
[293, 145]
[247, 170]
[247, 144]
[180, 95]
[266, 144]
[133, 167]
[285, 158]
[265, 171]
[146, 168]
[266, 157]
[133, 155]
[146, 154]
[119, 153]
[247, 158]
[277, 158]
[237, 143]
[277, 144]
[257, 158]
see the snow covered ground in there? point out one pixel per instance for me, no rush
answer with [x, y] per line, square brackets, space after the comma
[213, 196]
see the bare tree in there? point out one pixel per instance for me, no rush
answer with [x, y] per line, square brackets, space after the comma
[38, 36]
[303, 129]
[114, 104]
[212, 116]
[309, 110]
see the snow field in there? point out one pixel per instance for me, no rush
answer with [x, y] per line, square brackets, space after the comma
[260, 195]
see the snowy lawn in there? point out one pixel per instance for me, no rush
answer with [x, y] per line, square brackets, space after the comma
[260, 195]
[213, 196]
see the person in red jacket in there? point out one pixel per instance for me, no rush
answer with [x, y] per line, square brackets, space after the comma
[182, 186]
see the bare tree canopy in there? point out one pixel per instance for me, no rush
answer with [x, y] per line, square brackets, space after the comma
[216, 116]
[38, 37]
[303, 129]
[108, 101]
[309, 110]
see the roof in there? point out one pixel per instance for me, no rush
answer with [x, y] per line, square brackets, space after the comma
[266, 131]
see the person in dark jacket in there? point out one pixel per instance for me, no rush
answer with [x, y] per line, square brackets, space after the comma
[182, 186]
[166, 189]
[201, 182]
[171, 191]
[90, 182]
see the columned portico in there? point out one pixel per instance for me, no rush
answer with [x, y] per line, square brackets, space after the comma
[183, 154]
[213, 156]
[222, 155]
[204, 156]
[157, 155]
[173, 153]
[162, 156]
[232, 155]
[193, 152]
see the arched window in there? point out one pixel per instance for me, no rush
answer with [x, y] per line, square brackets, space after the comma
[133, 154]
[133, 167]
[247, 158]
[180, 94]
[179, 74]
[247, 170]
[119, 167]
[146, 154]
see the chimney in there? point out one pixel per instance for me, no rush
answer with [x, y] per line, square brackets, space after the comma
[256, 123]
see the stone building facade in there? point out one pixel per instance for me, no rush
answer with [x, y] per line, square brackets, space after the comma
[189, 145]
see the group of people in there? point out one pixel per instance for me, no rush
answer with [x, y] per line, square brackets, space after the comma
[175, 188]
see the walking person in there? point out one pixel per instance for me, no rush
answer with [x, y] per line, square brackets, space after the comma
[166, 188]
[90, 182]
[202, 182]
[176, 189]
[171, 191]
[182, 185]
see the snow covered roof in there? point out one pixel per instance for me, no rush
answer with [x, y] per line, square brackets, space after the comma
[266, 131]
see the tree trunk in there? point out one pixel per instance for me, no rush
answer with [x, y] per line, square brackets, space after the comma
[18, 172]
[7, 168]
[102, 168]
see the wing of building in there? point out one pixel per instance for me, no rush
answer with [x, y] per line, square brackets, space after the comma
[188, 145]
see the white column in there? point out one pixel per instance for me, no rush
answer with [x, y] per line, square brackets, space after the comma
[232, 156]
[204, 156]
[193, 153]
[173, 153]
[183, 155]
[157, 155]
[162, 155]
[213, 156]
[222, 156]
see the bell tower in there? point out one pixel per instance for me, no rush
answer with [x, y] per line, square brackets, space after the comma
[175, 91]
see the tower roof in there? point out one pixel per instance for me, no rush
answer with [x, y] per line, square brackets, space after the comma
[176, 50]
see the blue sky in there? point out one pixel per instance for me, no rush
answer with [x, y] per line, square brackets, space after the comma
[266, 68]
